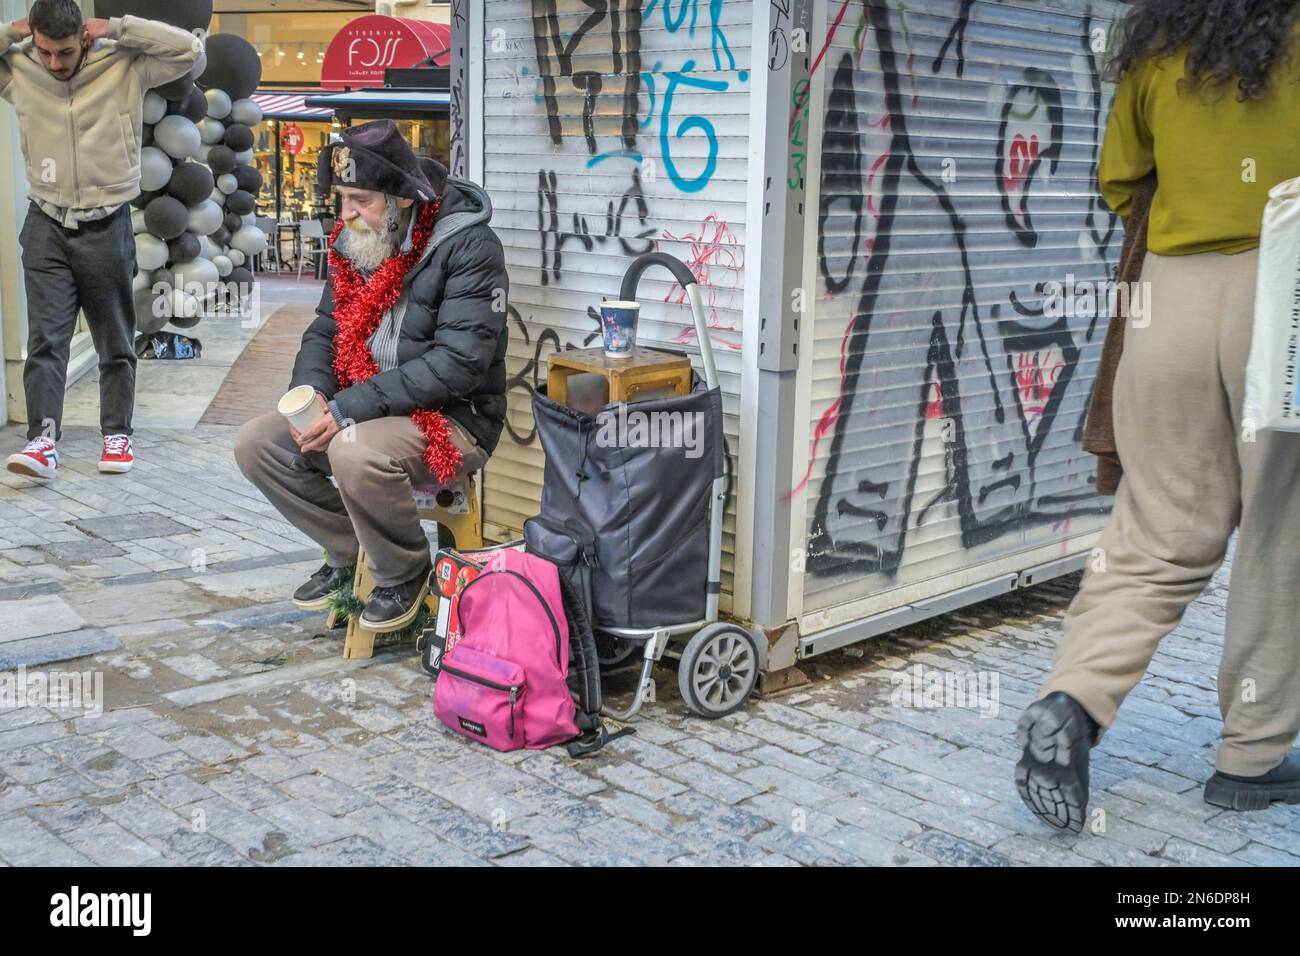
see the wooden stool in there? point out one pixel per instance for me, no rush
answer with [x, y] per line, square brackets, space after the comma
[625, 378]
[454, 506]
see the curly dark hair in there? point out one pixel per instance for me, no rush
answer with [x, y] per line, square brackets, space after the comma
[55, 19]
[1228, 40]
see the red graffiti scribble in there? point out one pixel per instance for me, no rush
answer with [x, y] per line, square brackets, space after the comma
[828, 418]
[1022, 156]
[714, 248]
[1036, 376]
[830, 35]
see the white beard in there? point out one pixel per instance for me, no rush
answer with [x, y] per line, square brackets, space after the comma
[367, 248]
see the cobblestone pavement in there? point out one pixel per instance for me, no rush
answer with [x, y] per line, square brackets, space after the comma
[234, 733]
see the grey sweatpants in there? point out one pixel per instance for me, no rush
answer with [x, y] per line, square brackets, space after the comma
[65, 270]
[1192, 475]
[375, 464]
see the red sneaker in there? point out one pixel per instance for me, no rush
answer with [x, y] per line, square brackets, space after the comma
[117, 457]
[40, 459]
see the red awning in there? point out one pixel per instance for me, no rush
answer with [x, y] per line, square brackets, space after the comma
[358, 56]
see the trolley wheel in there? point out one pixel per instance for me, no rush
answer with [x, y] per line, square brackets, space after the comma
[718, 670]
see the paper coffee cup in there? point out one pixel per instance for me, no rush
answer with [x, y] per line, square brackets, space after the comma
[618, 326]
[299, 405]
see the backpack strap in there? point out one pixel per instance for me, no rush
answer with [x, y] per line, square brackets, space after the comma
[594, 736]
[583, 641]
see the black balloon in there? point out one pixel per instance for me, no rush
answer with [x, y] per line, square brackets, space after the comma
[221, 237]
[191, 183]
[240, 202]
[186, 322]
[239, 276]
[233, 222]
[221, 160]
[239, 137]
[233, 66]
[146, 197]
[195, 106]
[166, 217]
[249, 179]
[185, 247]
[187, 14]
[177, 89]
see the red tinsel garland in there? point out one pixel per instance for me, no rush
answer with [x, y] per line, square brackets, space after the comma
[359, 307]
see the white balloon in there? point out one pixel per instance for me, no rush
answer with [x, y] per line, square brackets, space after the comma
[249, 240]
[198, 277]
[250, 218]
[178, 136]
[244, 158]
[207, 248]
[211, 130]
[155, 168]
[223, 264]
[142, 280]
[246, 111]
[150, 252]
[206, 218]
[155, 108]
[202, 154]
[200, 65]
[217, 196]
[218, 104]
[227, 183]
[137, 221]
[236, 256]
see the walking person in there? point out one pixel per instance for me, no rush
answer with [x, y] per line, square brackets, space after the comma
[78, 88]
[1208, 99]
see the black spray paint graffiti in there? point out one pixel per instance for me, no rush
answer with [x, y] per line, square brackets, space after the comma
[627, 223]
[999, 404]
[555, 59]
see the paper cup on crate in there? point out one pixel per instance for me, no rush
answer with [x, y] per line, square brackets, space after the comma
[618, 324]
[300, 407]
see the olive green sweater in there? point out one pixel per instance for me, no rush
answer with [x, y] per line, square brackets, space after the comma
[1216, 158]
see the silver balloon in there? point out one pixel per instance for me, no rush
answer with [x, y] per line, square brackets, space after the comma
[183, 305]
[227, 183]
[218, 196]
[150, 252]
[250, 218]
[198, 277]
[206, 218]
[207, 248]
[178, 136]
[236, 257]
[155, 108]
[202, 154]
[249, 240]
[246, 111]
[211, 130]
[155, 169]
[150, 311]
[223, 264]
[218, 104]
[143, 280]
[137, 221]
[244, 158]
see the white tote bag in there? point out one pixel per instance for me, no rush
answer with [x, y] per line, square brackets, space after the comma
[1272, 400]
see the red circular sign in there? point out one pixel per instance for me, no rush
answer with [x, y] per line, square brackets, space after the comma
[292, 138]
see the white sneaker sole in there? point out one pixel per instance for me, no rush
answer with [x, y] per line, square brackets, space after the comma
[22, 465]
[115, 467]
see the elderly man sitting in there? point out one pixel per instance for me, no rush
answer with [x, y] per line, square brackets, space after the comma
[407, 356]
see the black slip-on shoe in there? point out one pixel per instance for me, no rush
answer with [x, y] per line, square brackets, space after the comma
[314, 595]
[393, 608]
[1052, 775]
[1279, 785]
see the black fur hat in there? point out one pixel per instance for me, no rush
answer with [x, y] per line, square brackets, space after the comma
[376, 156]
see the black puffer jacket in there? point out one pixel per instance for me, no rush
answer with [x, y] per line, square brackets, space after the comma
[451, 334]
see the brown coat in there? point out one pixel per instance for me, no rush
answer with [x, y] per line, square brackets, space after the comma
[1098, 429]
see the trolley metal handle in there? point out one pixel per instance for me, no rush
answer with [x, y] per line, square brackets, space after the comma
[687, 281]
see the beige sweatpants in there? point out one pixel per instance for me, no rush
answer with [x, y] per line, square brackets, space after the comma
[375, 464]
[1191, 475]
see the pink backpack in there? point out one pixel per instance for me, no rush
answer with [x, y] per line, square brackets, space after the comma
[504, 683]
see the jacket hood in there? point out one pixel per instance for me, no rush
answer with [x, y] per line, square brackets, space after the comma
[464, 204]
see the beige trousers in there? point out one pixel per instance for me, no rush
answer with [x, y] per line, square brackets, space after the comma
[1192, 475]
[375, 464]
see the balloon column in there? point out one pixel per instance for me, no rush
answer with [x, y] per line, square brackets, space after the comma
[194, 223]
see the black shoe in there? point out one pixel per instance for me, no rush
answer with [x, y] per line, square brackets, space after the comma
[391, 609]
[315, 594]
[1052, 776]
[1279, 785]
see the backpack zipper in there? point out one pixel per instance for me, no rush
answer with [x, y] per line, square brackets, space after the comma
[512, 688]
[555, 627]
